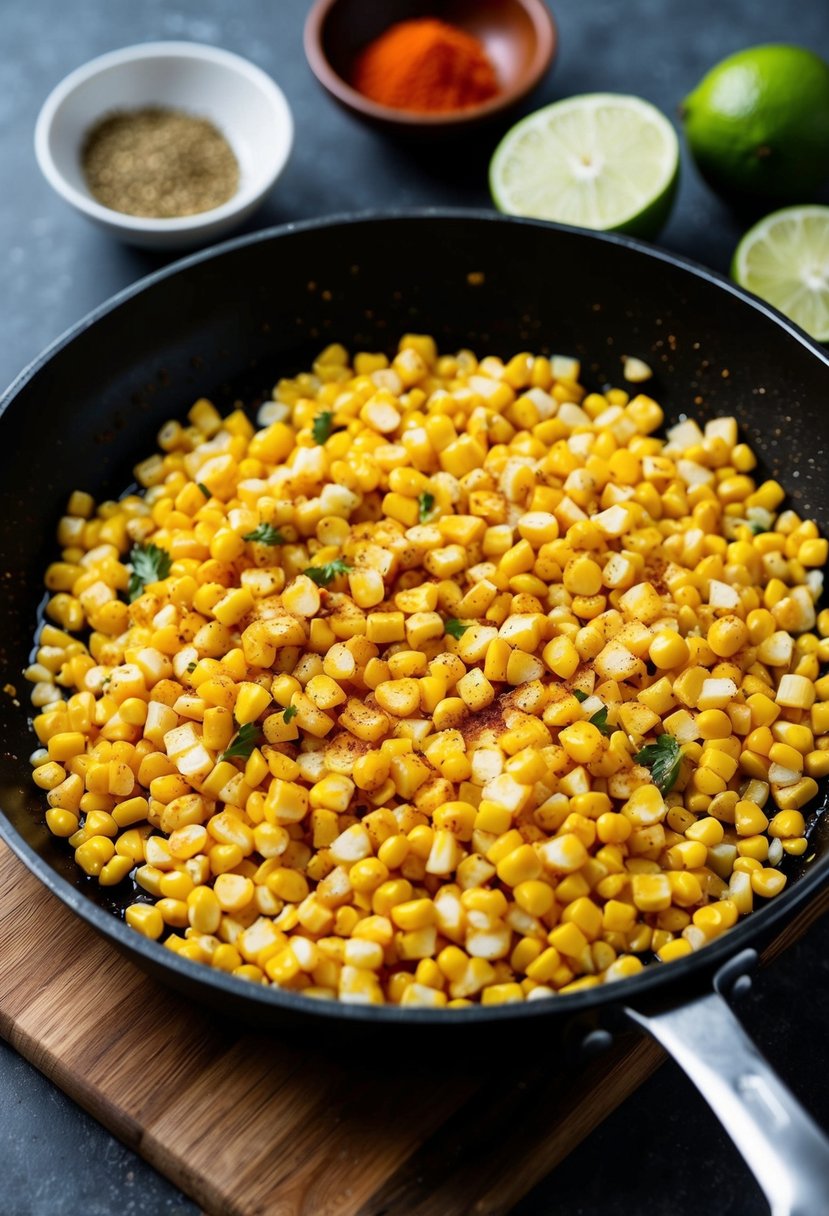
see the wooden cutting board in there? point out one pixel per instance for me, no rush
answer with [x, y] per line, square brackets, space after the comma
[249, 1124]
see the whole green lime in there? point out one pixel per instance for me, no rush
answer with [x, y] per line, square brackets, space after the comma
[758, 123]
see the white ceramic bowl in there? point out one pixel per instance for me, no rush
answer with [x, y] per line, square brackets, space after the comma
[235, 95]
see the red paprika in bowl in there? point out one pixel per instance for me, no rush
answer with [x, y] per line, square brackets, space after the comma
[516, 37]
[425, 65]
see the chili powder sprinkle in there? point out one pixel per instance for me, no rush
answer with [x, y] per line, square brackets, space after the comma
[425, 65]
[159, 163]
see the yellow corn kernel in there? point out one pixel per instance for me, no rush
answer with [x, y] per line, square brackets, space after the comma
[756, 847]
[146, 919]
[475, 690]
[817, 763]
[251, 701]
[362, 721]
[713, 724]
[813, 552]
[233, 891]
[233, 607]
[583, 742]
[65, 744]
[586, 914]
[333, 793]
[561, 657]
[582, 576]
[545, 966]
[767, 882]
[61, 822]
[94, 853]
[203, 910]
[727, 635]
[567, 939]
[651, 892]
[563, 854]
[793, 797]
[398, 697]
[48, 776]
[520, 866]
[618, 917]
[289, 885]
[677, 948]
[659, 697]
[668, 649]
[173, 912]
[534, 897]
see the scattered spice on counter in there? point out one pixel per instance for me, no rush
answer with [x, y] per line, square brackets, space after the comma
[159, 163]
[425, 65]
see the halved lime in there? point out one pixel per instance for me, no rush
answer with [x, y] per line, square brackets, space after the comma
[606, 161]
[784, 259]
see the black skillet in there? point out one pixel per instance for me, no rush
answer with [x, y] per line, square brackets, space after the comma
[227, 324]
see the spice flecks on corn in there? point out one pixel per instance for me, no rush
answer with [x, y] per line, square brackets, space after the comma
[450, 682]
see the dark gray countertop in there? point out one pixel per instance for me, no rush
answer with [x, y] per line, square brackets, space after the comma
[662, 1152]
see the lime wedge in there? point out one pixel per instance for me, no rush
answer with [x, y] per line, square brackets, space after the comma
[601, 160]
[784, 259]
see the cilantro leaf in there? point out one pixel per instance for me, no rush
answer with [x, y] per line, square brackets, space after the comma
[323, 575]
[149, 565]
[204, 489]
[599, 719]
[246, 739]
[757, 520]
[425, 506]
[579, 695]
[454, 628]
[323, 426]
[265, 534]
[290, 712]
[191, 667]
[663, 758]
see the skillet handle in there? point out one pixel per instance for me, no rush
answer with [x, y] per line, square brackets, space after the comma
[781, 1144]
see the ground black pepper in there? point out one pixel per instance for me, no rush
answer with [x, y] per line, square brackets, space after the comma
[159, 163]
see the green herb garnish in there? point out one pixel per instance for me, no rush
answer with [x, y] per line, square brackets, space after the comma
[760, 520]
[191, 667]
[663, 758]
[579, 695]
[265, 534]
[454, 628]
[149, 565]
[290, 712]
[323, 426]
[425, 506]
[599, 719]
[757, 520]
[204, 489]
[323, 575]
[245, 740]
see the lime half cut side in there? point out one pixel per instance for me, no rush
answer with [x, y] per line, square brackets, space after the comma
[605, 161]
[784, 259]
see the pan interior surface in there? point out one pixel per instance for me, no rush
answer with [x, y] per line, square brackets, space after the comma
[228, 325]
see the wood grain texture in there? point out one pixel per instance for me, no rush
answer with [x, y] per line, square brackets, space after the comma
[250, 1124]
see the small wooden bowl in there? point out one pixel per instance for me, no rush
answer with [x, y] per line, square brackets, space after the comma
[519, 37]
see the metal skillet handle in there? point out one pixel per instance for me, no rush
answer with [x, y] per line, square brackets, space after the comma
[782, 1145]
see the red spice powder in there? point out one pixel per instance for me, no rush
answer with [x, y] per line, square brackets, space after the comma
[425, 65]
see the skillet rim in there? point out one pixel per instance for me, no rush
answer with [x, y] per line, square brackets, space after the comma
[157, 959]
